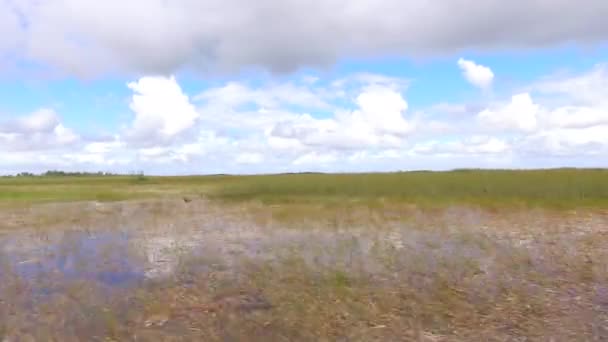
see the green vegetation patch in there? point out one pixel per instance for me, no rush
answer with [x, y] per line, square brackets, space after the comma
[562, 188]
[557, 188]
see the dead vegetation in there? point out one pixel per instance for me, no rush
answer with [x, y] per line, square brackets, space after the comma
[175, 270]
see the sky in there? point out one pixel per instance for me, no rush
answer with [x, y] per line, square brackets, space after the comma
[238, 86]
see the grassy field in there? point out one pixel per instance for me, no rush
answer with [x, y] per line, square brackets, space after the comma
[23, 190]
[559, 188]
[466, 255]
[562, 188]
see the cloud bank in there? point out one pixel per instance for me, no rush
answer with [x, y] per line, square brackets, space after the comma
[91, 38]
[360, 122]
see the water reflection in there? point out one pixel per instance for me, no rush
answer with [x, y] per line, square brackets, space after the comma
[105, 258]
[118, 258]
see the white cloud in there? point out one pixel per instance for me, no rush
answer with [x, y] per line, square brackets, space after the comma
[103, 147]
[520, 114]
[237, 107]
[42, 120]
[377, 122]
[568, 142]
[356, 123]
[161, 37]
[86, 158]
[249, 158]
[490, 145]
[272, 96]
[207, 143]
[577, 117]
[576, 102]
[9, 26]
[587, 89]
[162, 110]
[160, 155]
[40, 130]
[315, 159]
[152, 152]
[476, 145]
[279, 144]
[64, 135]
[100, 153]
[383, 109]
[570, 117]
[478, 75]
[579, 101]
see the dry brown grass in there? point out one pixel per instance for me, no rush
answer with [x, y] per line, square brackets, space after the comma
[252, 272]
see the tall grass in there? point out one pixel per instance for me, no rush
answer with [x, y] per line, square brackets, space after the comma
[19, 190]
[558, 187]
[561, 188]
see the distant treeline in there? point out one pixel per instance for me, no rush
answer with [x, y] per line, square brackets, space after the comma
[56, 173]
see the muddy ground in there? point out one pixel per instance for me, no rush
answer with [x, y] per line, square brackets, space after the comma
[187, 269]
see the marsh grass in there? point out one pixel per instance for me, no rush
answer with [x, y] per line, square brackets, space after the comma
[453, 274]
[559, 188]
[458, 256]
[19, 191]
[555, 188]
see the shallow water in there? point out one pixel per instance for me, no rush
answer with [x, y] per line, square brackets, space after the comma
[104, 258]
[118, 258]
[83, 269]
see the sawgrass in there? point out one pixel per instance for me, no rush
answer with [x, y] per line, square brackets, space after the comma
[556, 188]
[562, 188]
[22, 190]
[357, 272]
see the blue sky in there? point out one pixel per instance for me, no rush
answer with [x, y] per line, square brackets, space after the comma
[213, 86]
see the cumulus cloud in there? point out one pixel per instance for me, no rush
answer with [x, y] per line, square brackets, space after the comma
[567, 117]
[160, 37]
[586, 89]
[520, 114]
[577, 117]
[378, 121]
[40, 130]
[567, 142]
[382, 109]
[109, 152]
[478, 75]
[162, 111]
[43, 120]
[64, 135]
[356, 123]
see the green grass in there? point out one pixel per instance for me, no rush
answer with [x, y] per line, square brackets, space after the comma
[554, 188]
[559, 188]
[19, 190]
[454, 274]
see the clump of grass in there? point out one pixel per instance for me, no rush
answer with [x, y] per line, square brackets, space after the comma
[141, 177]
